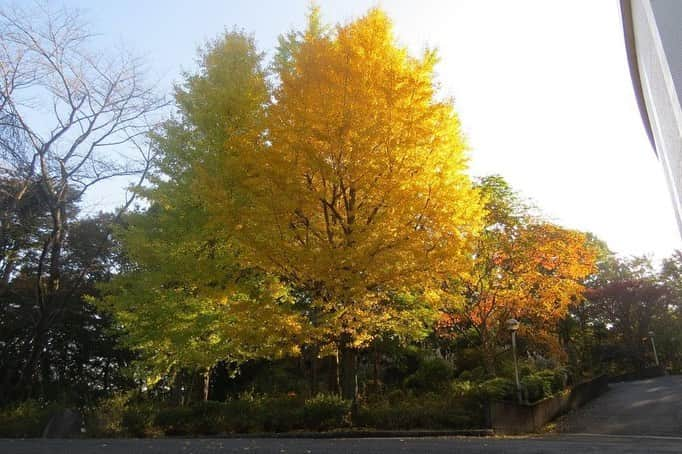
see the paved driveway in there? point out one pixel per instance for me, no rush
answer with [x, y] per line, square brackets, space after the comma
[645, 407]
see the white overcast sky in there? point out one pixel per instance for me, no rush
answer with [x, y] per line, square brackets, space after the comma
[542, 89]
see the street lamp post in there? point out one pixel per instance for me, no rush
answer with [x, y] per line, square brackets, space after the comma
[513, 326]
[653, 346]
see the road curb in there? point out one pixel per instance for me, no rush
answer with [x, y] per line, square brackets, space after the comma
[363, 434]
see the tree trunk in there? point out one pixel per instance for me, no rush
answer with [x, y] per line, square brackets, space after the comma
[349, 377]
[26, 381]
[333, 383]
[313, 372]
[176, 388]
[56, 251]
[9, 374]
[375, 371]
[46, 296]
[105, 377]
[45, 376]
[207, 383]
[489, 359]
[7, 271]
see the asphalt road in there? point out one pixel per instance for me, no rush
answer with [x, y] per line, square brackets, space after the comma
[645, 407]
[548, 444]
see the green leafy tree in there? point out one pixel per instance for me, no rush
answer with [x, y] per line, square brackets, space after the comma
[185, 300]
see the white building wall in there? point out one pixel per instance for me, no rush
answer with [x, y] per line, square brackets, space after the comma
[657, 28]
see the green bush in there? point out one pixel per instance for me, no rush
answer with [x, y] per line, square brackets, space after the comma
[543, 384]
[26, 419]
[280, 414]
[104, 420]
[124, 415]
[525, 370]
[462, 388]
[396, 395]
[137, 420]
[242, 416]
[175, 420]
[210, 418]
[427, 412]
[556, 378]
[251, 414]
[433, 374]
[325, 411]
[497, 389]
[535, 387]
[475, 374]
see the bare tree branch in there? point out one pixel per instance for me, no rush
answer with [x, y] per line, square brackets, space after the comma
[70, 118]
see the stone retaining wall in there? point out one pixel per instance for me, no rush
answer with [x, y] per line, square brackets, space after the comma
[515, 418]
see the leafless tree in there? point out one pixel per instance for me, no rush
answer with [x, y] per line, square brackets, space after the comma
[75, 117]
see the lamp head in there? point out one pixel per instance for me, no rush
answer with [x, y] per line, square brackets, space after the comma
[512, 324]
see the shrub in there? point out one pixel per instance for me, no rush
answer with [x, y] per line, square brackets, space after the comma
[556, 378]
[432, 375]
[137, 420]
[281, 414]
[427, 412]
[26, 419]
[497, 389]
[242, 415]
[396, 395]
[124, 415]
[175, 420]
[250, 414]
[104, 420]
[462, 388]
[525, 370]
[475, 374]
[208, 418]
[325, 411]
[535, 388]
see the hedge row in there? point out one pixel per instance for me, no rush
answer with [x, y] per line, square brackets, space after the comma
[458, 404]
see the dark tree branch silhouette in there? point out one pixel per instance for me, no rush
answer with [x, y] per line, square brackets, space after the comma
[70, 118]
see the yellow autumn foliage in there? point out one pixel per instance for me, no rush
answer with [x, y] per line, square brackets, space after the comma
[360, 189]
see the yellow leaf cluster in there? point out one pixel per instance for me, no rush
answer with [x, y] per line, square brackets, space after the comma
[362, 188]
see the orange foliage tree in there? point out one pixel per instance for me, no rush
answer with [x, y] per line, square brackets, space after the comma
[524, 268]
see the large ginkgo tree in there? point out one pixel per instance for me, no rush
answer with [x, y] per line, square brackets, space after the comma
[341, 174]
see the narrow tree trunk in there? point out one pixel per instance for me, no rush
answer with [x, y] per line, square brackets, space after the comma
[207, 383]
[7, 272]
[333, 383]
[45, 296]
[9, 374]
[489, 360]
[105, 377]
[375, 371]
[45, 376]
[313, 372]
[176, 388]
[26, 381]
[56, 251]
[191, 391]
[349, 377]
